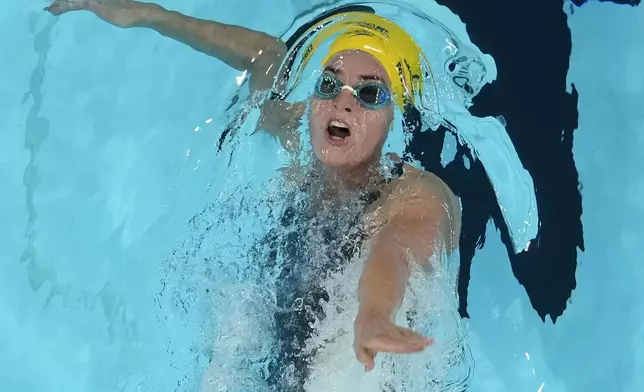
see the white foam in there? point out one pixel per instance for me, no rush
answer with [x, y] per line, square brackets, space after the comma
[442, 367]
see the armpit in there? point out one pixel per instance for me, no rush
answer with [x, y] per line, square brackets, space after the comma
[282, 120]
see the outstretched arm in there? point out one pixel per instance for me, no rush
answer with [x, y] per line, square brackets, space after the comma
[258, 53]
[422, 217]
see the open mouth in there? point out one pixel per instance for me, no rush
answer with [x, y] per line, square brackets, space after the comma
[338, 132]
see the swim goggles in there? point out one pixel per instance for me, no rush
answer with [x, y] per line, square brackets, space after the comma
[371, 95]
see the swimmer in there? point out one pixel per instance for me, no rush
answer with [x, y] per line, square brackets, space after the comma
[351, 113]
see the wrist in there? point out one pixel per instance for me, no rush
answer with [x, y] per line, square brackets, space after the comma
[379, 297]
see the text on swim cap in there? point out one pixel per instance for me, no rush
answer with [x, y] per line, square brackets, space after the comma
[371, 26]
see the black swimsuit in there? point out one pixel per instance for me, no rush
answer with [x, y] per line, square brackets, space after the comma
[300, 292]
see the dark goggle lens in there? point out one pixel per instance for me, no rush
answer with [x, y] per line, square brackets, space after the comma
[372, 94]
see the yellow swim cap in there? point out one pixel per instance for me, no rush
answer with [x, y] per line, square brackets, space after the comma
[392, 46]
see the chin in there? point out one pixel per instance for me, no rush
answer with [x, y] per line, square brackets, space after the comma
[330, 159]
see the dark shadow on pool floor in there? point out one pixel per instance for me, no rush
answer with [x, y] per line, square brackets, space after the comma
[634, 3]
[531, 44]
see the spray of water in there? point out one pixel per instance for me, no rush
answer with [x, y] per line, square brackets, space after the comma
[429, 308]
[233, 278]
[259, 250]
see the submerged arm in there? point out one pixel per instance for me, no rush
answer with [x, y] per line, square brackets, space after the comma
[258, 53]
[238, 47]
[244, 49]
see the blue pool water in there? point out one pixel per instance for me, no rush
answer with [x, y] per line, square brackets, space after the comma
[115, 211]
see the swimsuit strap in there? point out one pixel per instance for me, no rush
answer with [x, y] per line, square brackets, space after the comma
[396, 171]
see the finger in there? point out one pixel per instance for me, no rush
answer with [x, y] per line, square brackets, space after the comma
[369, 367]
[412, 336]
[55, 9]
[409, 333]
[398, 344]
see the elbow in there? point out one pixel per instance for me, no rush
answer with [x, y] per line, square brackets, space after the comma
[277, 48]
[264, 66]
[269, 56]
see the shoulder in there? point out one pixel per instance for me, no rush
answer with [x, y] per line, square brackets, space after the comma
[421, 195]
[425, 184]
[415, 184]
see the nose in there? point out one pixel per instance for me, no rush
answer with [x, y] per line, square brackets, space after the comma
[345, 101]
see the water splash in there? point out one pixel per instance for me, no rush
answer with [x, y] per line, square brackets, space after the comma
[429, 308]
[221, 283]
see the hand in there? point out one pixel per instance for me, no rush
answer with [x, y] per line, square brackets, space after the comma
[375, 333]
[120, 13]
[59, 7]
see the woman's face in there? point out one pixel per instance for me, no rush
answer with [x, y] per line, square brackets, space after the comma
[365, 130]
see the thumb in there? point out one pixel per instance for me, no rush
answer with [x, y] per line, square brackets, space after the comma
[53, 8]
[366, 357]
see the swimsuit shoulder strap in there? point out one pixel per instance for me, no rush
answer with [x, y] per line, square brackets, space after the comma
[396, 171]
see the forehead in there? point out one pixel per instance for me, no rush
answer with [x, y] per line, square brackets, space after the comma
[356, 64]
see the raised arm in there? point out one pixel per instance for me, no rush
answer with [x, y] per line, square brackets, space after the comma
[258, 53]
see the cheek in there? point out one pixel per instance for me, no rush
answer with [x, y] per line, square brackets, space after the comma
[320, 108]
[379, 124]
[386, 121]
[316, 114]
[385, 125]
